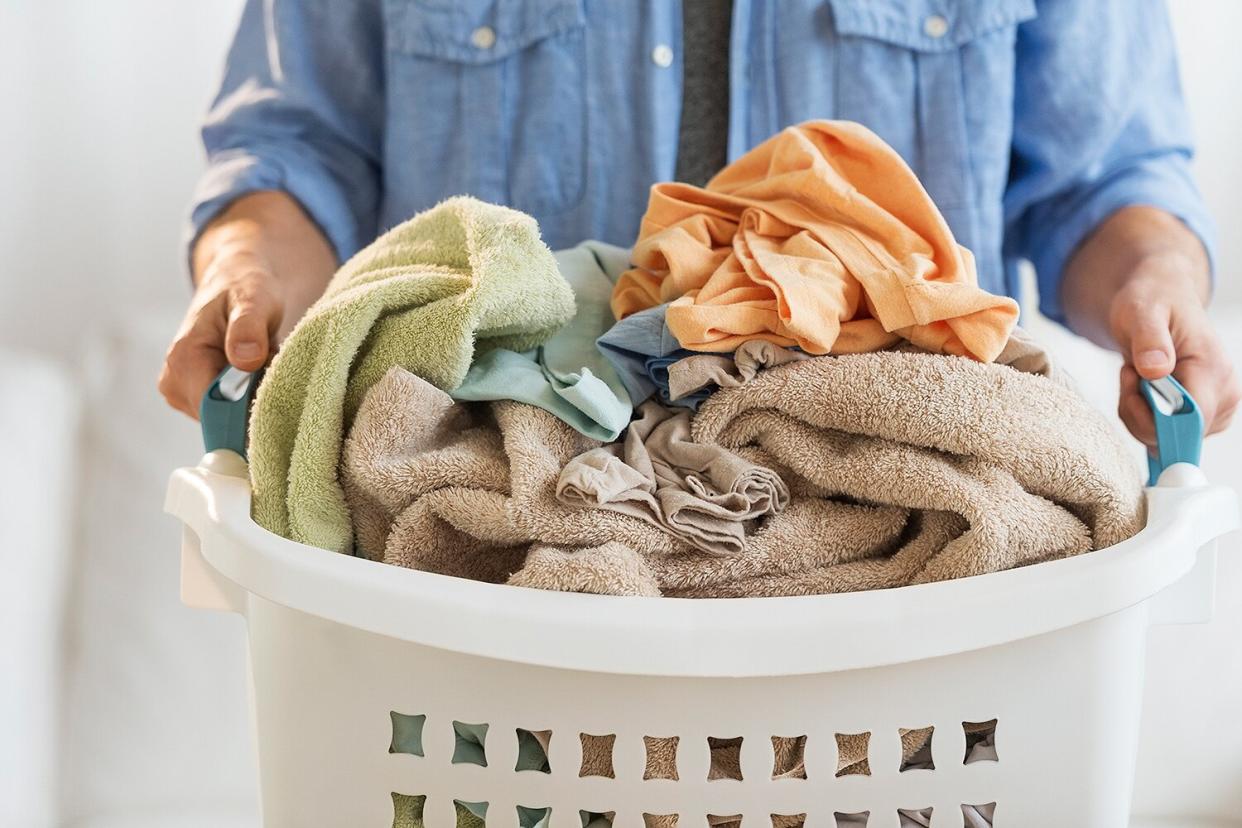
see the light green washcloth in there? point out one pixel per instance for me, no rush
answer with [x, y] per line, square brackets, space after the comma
[456, 281]
[568, 375]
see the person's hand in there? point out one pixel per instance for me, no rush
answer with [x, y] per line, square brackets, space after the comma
[1160, 326]
[258, 267]
[233, 320]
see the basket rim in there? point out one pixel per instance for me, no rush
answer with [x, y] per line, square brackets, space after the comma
[717, 637]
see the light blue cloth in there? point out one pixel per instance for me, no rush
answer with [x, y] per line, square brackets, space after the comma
[1028, 121]
[641, 347]
[567, 375]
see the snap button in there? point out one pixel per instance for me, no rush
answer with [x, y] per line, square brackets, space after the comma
[935, 26]
[483, 37]
[662, 56]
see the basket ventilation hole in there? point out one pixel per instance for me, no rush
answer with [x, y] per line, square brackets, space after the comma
[852, 751]
[726, 758]
[787, 757]
[730, 821]
[407, 734]
[533, 750]
[916, 748]
[979, 816]
[661, 757]
[660, 820]
[470, 812]
[858, 820]
[469, 744]
[590, 819]
[920, 816]
[533, 817]
[407, 809]
[597, 755]
[788, 820]
[980, 741]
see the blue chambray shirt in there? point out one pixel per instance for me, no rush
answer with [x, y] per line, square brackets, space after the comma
[1028, 121]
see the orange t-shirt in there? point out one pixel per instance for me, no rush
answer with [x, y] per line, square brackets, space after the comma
[820, 237]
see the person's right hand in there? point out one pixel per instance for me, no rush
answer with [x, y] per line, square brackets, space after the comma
[258, 267]
[233, 320]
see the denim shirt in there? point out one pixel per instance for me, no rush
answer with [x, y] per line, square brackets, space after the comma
[1028, 122]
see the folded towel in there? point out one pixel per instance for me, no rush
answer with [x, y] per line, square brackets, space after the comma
[458, 280]
[820, 237]
[697, 492]
[567, 375]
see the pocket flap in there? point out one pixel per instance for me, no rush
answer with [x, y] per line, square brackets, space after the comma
[476, 31]
[928, 25]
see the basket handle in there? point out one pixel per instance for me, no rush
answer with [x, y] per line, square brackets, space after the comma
[225, 410]
[1179, 425]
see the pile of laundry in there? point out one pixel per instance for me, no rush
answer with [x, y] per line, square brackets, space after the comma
[791, 385]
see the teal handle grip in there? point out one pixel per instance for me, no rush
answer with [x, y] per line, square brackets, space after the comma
[225, 410]
[1179, 425]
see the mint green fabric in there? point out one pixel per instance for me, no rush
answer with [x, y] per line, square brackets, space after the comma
[430, 295]
[568, 375]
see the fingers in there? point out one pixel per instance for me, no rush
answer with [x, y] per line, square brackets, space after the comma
[1150, 348]
[232, 320]
[1133, 409]
[191, 365]
[254, 316]
[1210, 379]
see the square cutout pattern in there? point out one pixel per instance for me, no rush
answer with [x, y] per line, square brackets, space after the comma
[597, 755]
[852, 754]
[661, 757]
[980, 742]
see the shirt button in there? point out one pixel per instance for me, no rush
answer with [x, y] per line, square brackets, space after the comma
[662, 56]
[935, 26]
[483, 37]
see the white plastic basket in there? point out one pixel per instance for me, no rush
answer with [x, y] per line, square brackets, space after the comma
[1053, 652]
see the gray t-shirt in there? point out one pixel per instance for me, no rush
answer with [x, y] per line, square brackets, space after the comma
[703, 135]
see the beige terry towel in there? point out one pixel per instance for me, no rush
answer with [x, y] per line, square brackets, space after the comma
[902, 468]
[468, 490]
[702, 493]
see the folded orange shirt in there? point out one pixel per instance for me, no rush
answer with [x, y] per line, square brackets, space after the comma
[820, 237]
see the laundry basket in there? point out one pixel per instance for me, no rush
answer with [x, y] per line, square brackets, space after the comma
[350, 657]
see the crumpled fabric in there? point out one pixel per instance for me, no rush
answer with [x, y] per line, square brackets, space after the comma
[820, 237]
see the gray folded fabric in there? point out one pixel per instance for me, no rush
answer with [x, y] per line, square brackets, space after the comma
[707, 371]
[702, 493]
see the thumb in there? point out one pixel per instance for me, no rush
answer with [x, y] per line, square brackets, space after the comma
[1150, 348]
[254, 316]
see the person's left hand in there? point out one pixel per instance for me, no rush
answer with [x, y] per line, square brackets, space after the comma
[1160, 326]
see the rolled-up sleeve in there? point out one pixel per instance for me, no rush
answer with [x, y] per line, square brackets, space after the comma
[1099, 124]
[300, 110]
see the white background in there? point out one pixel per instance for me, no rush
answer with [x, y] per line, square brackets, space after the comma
[99, 104]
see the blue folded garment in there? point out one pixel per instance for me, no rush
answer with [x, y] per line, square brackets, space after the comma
[640, 348]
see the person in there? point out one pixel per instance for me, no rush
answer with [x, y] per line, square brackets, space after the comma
[1052, 131]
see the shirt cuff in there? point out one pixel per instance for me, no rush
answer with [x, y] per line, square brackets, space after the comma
[1063, 223]
[233, 173]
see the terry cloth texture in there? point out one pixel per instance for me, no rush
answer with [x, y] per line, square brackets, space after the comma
[820, 237]
[567, 375]
[902, 468]
[641, 348]
[452, 283]
[702, 493]
[698, 375]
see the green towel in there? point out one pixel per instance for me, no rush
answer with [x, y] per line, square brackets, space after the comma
[452, 283]
[569, 375]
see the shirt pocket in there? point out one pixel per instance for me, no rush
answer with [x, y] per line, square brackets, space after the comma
[935, 79]
[487, 97]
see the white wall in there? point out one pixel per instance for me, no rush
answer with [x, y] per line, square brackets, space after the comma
[1207, 36]
[99, 104]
